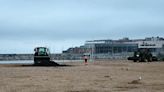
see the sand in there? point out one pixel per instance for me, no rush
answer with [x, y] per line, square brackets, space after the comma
[98, 76]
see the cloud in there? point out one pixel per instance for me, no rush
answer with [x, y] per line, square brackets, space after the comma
[72, 20]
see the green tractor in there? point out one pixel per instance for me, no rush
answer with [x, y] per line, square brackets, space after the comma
[42, 56]
[143, 55]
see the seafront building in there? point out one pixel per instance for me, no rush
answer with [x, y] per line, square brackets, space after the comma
[117, 49]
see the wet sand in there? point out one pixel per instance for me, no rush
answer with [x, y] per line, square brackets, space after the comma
[98, 76]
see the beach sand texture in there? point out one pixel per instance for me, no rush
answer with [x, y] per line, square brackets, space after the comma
[97, 76]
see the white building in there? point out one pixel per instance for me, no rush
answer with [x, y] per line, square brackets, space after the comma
[155, 44]
[124, 47]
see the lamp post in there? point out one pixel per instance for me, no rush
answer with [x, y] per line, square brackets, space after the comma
[92, 52]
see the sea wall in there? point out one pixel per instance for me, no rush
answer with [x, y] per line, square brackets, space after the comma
[16, 57]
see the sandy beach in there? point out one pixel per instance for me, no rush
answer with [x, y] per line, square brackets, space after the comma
[98, 76]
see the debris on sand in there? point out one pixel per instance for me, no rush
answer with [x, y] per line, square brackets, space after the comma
[135, 82]
[127, 68]
[138, 81]
[107, 76]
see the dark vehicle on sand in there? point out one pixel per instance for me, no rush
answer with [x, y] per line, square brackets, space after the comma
[42, 56]
[143, 55]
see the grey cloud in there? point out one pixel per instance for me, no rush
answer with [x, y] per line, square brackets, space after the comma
[61, 20]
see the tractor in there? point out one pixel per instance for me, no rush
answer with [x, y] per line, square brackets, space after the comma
[143, 55]
[42, 56]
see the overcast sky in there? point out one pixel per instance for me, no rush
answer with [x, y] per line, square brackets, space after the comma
[60, 24]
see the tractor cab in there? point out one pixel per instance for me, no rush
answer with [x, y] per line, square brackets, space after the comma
[41, 51]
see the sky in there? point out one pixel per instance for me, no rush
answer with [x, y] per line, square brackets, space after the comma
[60, 24]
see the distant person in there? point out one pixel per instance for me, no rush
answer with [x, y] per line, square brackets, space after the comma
[85, 59]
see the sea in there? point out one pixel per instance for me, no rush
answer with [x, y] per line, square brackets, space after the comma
[32, 62]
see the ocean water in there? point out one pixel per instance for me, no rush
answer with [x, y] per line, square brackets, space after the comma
[32, 62]
[17, 62]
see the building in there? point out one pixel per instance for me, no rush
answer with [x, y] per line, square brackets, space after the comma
[155, 44]
[78, 50]
[75, 53]
[118, 49]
